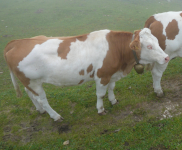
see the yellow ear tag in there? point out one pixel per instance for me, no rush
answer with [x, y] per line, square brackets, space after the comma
[136, 48]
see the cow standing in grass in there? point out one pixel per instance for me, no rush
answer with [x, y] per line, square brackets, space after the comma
[167, 28]
[104, 56]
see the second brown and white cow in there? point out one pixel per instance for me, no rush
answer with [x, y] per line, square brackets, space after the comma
[104, 56]
[167, 28]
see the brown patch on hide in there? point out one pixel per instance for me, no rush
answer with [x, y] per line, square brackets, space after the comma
[81, 82]
[92, 75]
[89, 69]
[172, 30]
[157, 30]
[181, 14]
[149, 21]
[64, 47]
[81, 72]
[119, 57]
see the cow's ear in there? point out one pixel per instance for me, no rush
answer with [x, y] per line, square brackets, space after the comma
[135, 45]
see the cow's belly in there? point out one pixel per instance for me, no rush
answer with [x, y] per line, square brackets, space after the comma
[117, 76]
[60, 72]
[66, 78]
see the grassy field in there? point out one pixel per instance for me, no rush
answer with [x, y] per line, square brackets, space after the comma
[140, 121]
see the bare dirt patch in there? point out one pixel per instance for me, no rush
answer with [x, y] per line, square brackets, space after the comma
[166, 107]
[30, 129]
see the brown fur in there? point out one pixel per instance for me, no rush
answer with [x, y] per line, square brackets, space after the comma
[81, 72]
[158, 33]
[81, 82]
[172, 30]
[92, 75]
[181, 14]
[90, 68]
[149, 21]
[64, 47]
[119, 56]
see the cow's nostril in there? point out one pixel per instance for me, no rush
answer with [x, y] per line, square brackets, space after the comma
[167, 59]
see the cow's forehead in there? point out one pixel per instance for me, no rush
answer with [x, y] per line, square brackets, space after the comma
[144, 32]
[146, 35]
[148, 38]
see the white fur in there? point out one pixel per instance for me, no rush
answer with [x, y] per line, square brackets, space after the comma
[173, 47]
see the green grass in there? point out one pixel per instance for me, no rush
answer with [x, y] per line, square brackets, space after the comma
[22, 127]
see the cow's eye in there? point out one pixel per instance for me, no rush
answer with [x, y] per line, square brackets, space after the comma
[149, 46]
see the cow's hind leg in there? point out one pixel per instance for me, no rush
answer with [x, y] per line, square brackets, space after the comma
[42, 100]
[35, 102]
[111, 95]
[157, 72]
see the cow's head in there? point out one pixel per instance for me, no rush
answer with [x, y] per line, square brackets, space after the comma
[149, 48]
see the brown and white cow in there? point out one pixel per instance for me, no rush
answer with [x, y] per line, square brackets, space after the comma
[167, 27]
[104, 56]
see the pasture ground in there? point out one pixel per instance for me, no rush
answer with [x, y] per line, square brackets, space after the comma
[140, 121]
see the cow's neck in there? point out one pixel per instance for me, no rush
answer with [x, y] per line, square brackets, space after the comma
[119, 42]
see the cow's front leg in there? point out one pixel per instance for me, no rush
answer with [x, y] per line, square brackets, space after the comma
[157, 73]
[111, 95]
[100, 92]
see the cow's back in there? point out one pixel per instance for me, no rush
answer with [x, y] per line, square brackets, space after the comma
[59, 60]
[167, 27]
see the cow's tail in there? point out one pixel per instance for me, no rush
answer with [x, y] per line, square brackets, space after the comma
[13, 78]
[15, 84]
[149, 21]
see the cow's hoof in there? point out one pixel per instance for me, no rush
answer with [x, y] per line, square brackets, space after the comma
[60, 119]
[102, 113]
[42, 111]
[116, 102]
[161, 94]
